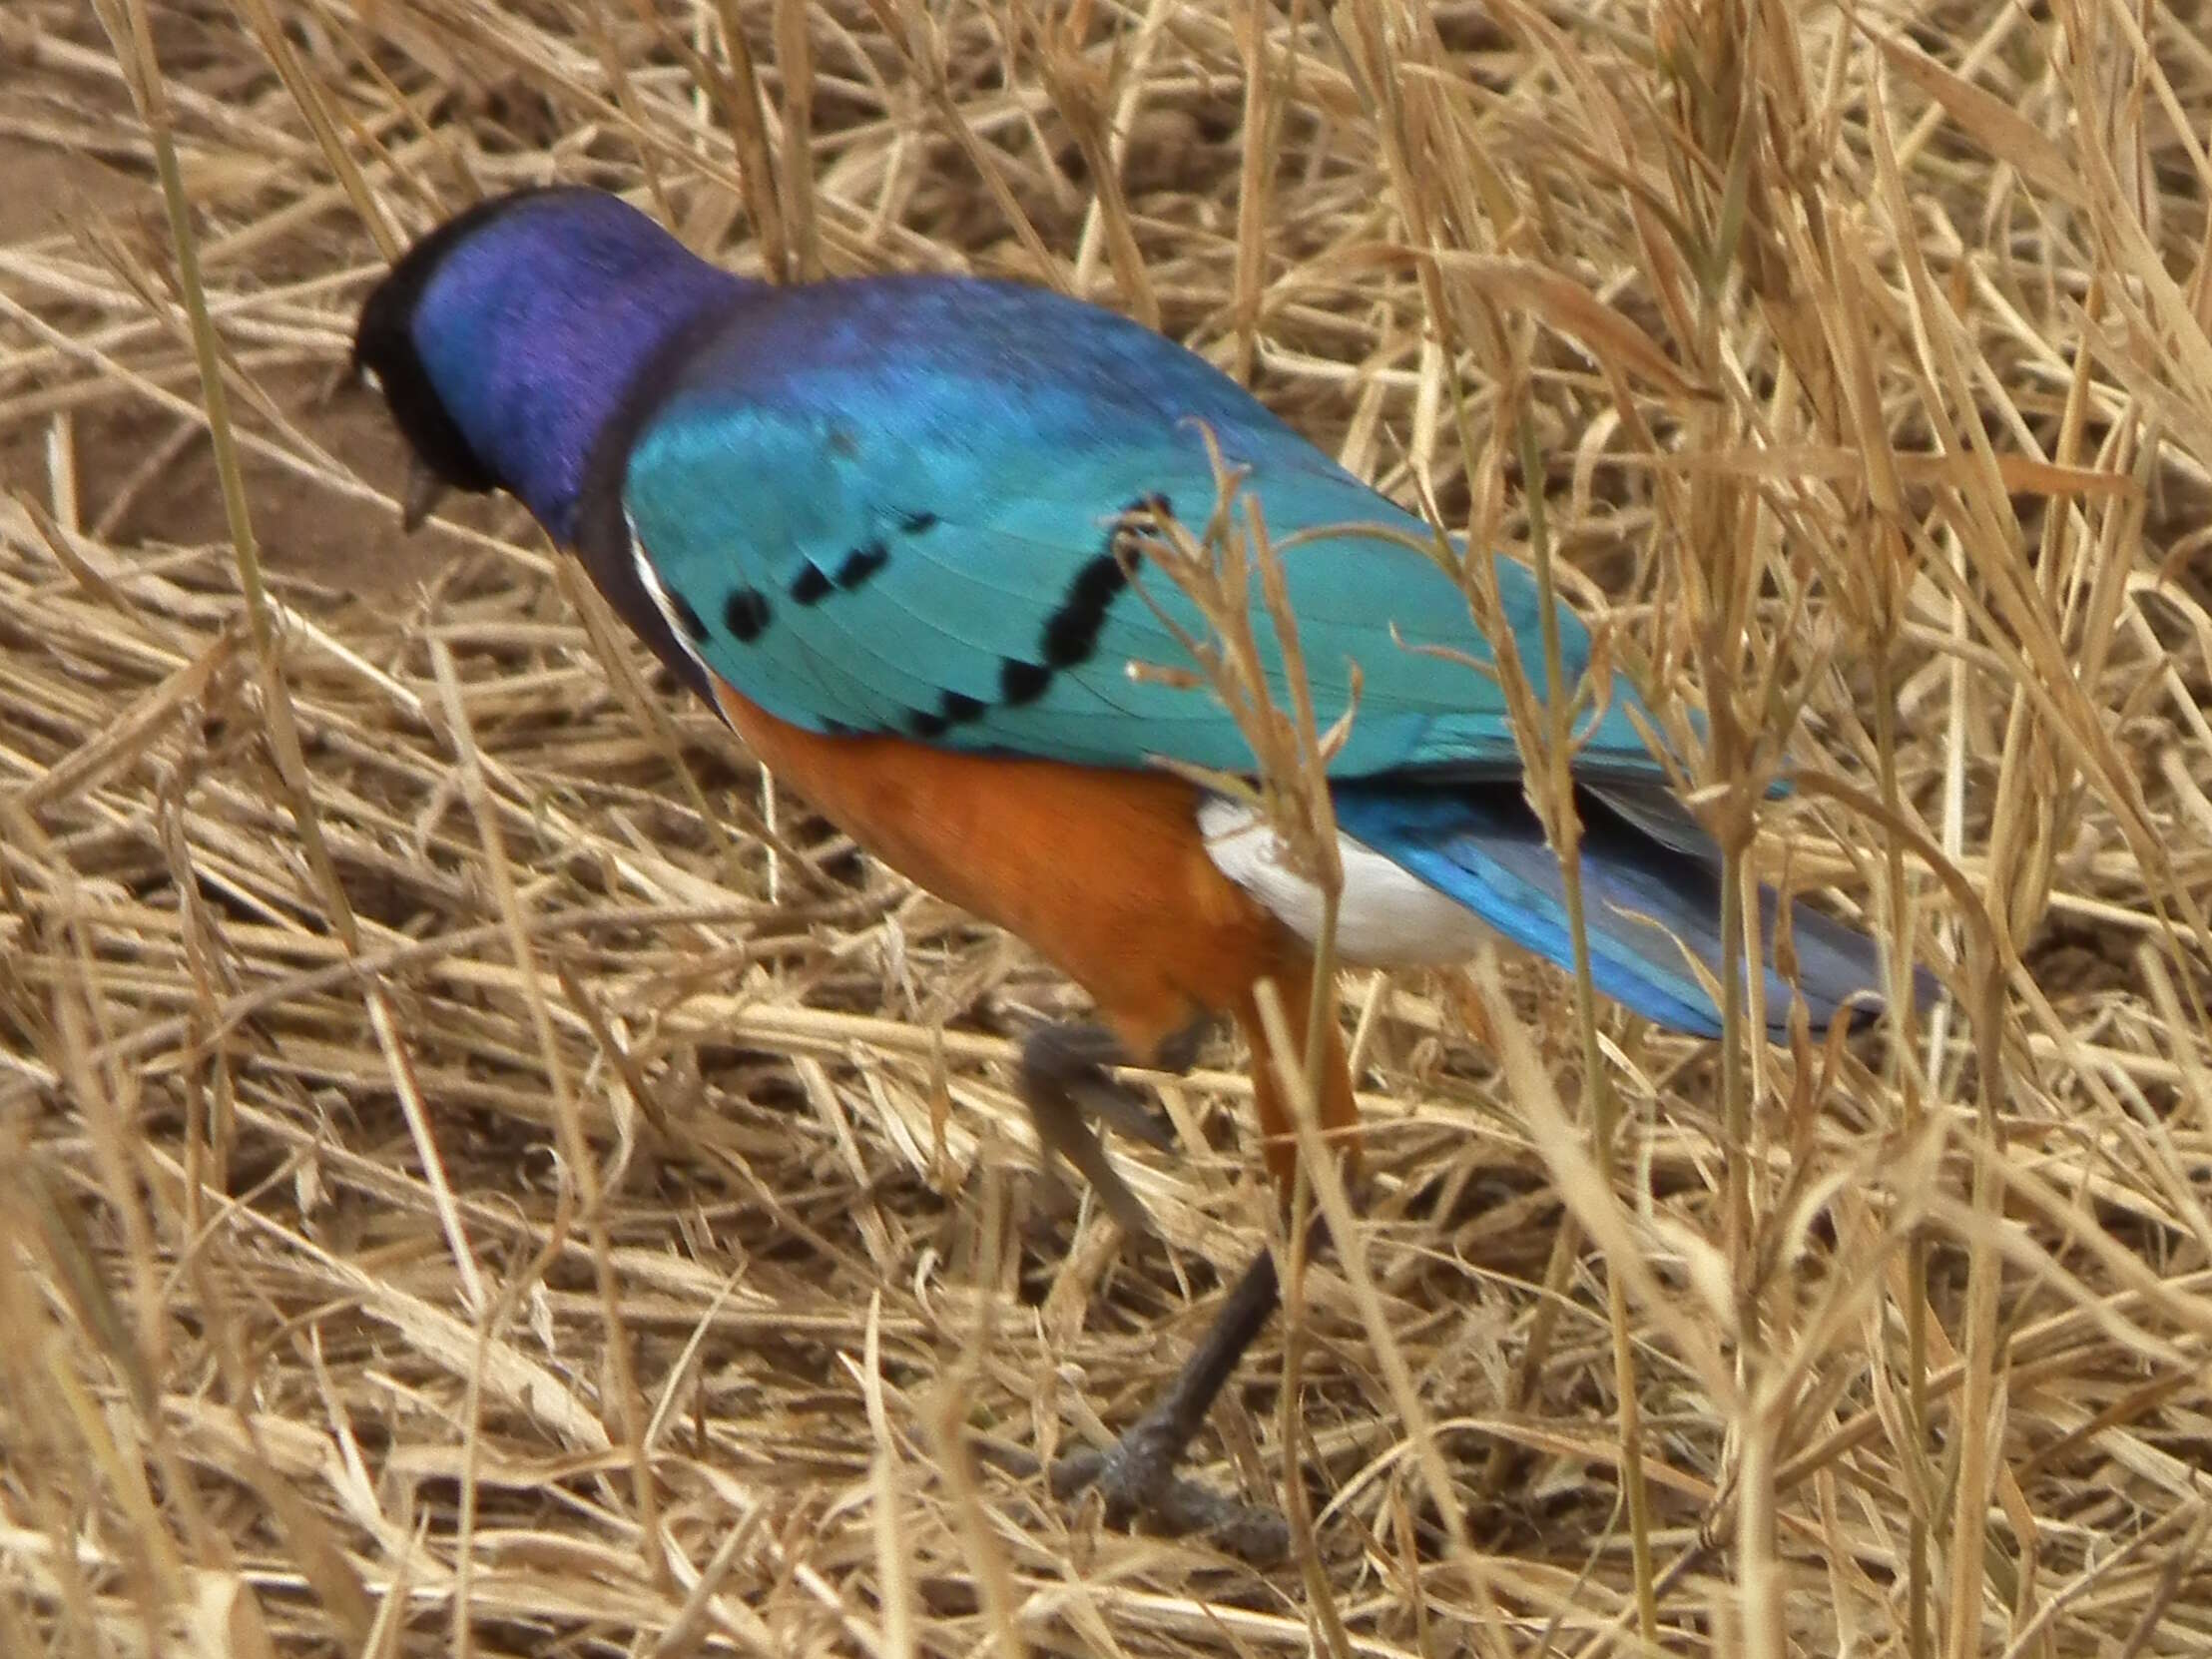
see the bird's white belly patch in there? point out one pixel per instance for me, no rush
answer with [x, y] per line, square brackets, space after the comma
[1386, 916]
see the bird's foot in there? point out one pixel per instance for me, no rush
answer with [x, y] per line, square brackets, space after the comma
[1136, 1476]
[1065, 1082]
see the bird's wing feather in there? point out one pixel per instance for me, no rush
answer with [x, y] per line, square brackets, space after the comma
[958, 583]
[1652, 913]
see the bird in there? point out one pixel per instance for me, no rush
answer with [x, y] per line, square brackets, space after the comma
[891, 529]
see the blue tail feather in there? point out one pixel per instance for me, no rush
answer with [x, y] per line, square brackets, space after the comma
[1651, 909]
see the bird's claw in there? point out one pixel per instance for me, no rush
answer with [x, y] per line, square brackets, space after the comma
[1137, 1480]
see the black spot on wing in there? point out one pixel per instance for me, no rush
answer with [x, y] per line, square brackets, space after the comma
[862, 563]
[745, 613]
[812, 584]
[685, 618]
[954, 709]
[1071, 633]
[1021, 682]
[914, 524]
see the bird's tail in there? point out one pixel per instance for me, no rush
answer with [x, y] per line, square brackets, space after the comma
[1652, 905]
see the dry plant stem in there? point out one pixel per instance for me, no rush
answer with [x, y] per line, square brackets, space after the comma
[749, 127]
[491, 1327]
[1890, 562]
[1324, 1170]
[133, 39]
[1759, 1570]
[1919, 1539]
[1322, 1614]
[993, 1575]
[576, 1150]
[1304, 797]
[795, 58]
[1566, 1238]
[1259, 127]
[270, 35]
[1560, 1259]
[1305, 789]
[1566, 827]
[892, 1565]
[1758, 1574]
[130, 37]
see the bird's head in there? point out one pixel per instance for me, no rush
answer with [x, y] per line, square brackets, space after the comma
[504, 339]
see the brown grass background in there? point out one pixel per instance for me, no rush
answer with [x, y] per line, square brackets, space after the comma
[483, 1173]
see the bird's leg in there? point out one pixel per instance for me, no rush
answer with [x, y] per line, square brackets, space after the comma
[1136, 1474]
[1063, 1081]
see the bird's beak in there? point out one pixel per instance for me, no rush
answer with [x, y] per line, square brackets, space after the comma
[425, 489]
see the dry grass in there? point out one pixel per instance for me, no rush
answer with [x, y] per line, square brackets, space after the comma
[483, 1174]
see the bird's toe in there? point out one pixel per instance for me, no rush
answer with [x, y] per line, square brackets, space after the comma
[1136, 1480]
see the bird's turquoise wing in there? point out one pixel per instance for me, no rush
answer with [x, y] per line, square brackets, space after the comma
[953, 583]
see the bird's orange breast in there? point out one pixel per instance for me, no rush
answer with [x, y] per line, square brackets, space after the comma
[1103, 871]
